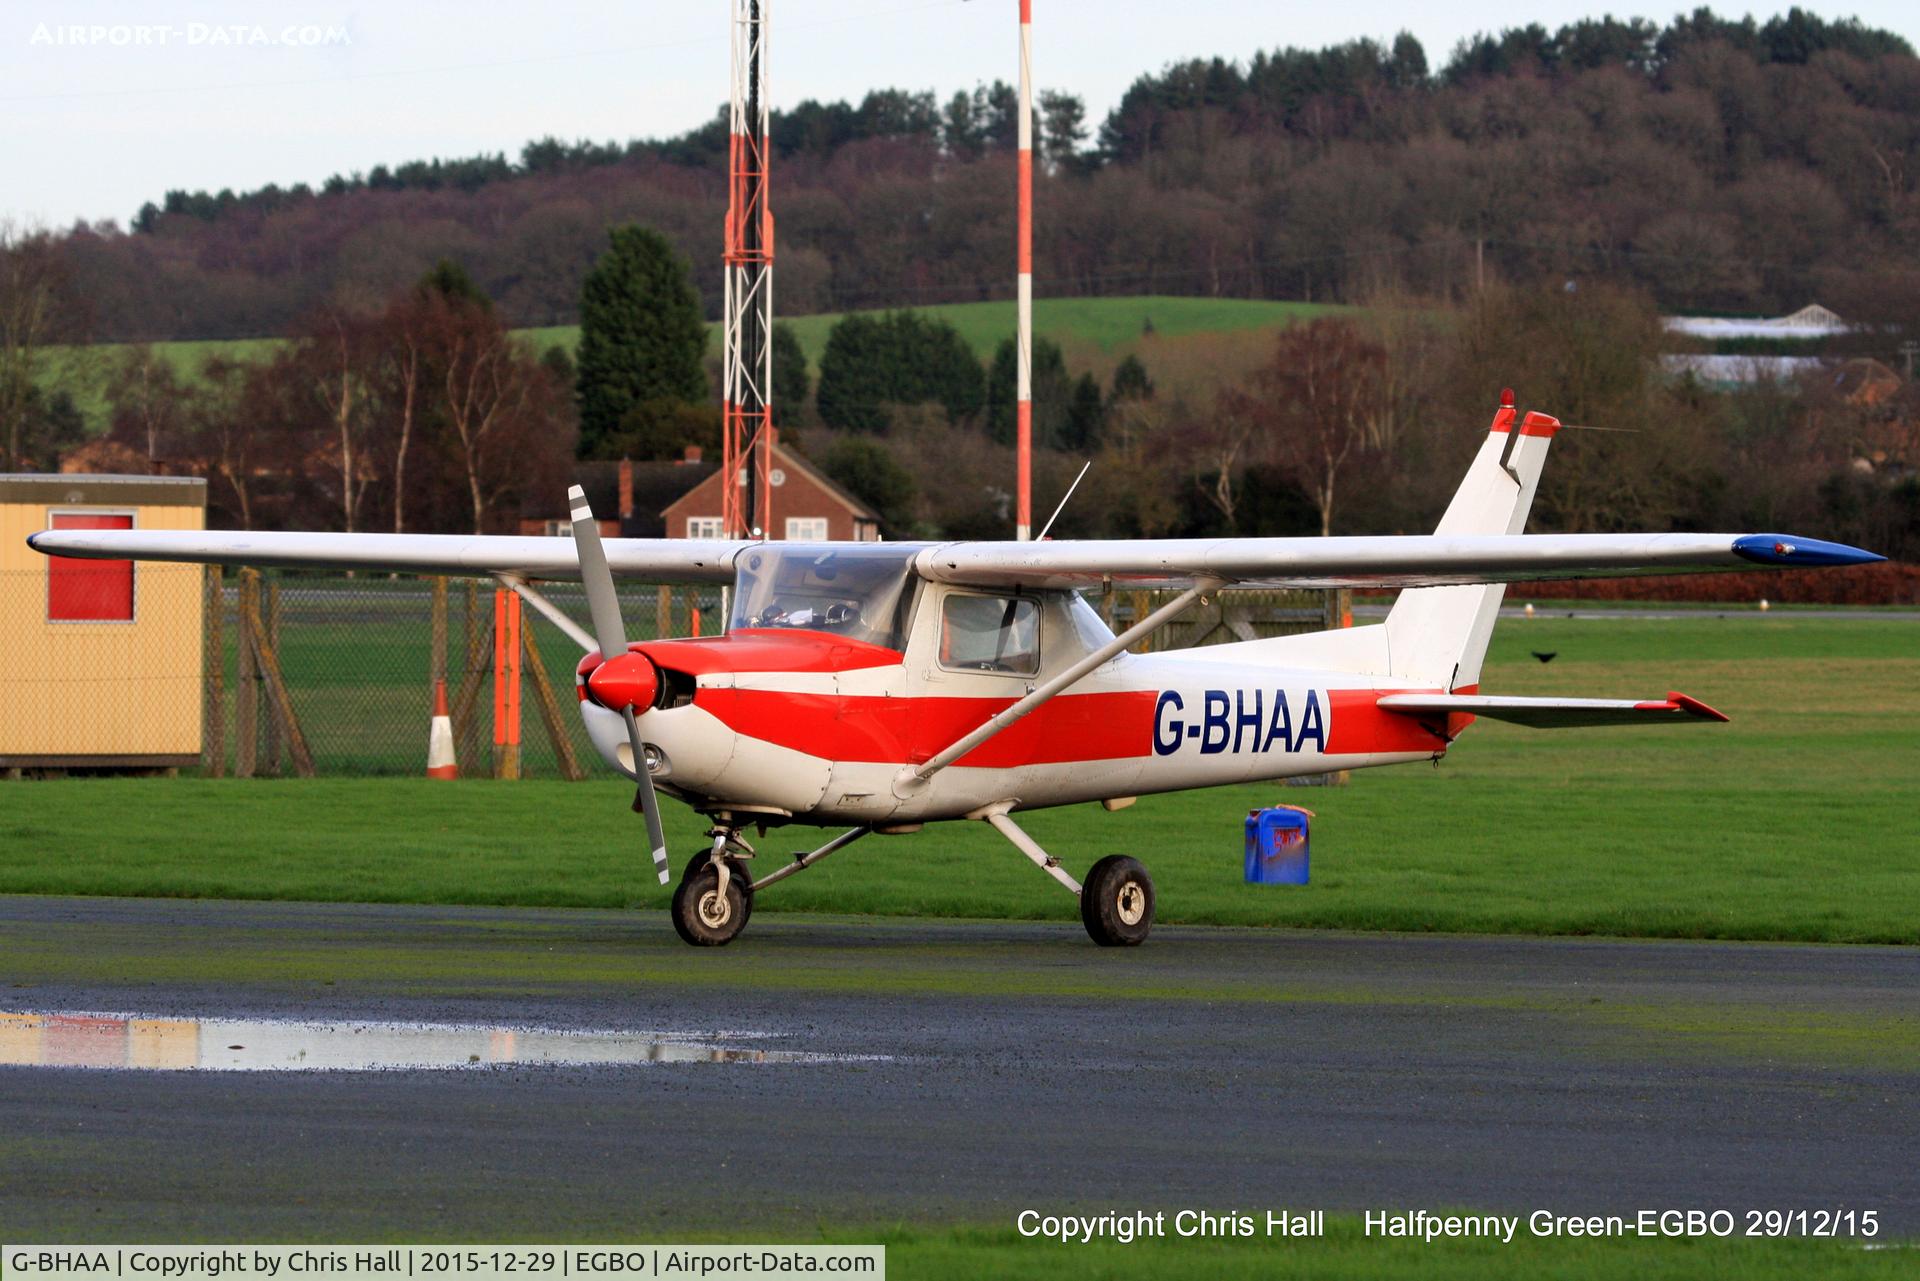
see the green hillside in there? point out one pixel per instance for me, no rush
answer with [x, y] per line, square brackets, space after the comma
[1101, 322]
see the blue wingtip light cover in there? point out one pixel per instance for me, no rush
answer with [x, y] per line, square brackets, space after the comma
[1786, 550]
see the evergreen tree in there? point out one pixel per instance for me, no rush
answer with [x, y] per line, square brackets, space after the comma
[869, 471]
[1086, 418]
[790, 379]
[1052, 394]
[1131, 380]
[641, 335]
[900, 358]
[451, 281]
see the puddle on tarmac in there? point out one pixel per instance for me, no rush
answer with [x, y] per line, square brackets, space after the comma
[268, 1045]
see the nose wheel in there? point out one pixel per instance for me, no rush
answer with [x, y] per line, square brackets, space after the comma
[705, 912]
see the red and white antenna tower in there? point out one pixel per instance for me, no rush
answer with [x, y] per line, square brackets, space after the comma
[747, 430]
[1023, 344]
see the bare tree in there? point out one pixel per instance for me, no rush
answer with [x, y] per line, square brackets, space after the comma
[149, 404]
[225, 430]
[338, 351]
[1312, 404]
[36, 312]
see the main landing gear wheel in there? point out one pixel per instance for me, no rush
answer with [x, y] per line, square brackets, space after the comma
[705, 917]
[1116, 902]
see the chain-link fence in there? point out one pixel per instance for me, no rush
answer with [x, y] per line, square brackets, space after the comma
[244, 673]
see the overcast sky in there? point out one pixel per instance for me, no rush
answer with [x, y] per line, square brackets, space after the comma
[110, 104]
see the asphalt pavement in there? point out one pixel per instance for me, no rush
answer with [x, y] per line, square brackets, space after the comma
[940, 1072]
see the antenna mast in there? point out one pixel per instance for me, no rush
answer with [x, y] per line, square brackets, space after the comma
[1023, 345]
[746, 409]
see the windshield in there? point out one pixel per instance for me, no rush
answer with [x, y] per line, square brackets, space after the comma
[861, 593]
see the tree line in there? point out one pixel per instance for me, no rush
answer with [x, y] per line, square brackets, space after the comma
[1717, 164]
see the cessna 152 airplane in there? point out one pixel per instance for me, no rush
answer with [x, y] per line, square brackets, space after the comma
[885, 686]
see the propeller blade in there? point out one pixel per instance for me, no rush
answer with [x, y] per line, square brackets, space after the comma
[649, 802]
[597, 578]
[610, 634]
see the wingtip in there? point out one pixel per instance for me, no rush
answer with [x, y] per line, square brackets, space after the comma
[1786, 551]
[33, 545]
[1694, 707]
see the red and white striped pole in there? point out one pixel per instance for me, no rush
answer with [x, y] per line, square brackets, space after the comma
[1023, 406]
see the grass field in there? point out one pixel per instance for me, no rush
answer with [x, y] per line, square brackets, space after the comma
[1104, 323]
[1797, 821]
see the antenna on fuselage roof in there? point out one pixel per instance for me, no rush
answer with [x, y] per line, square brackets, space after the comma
[1063, 499]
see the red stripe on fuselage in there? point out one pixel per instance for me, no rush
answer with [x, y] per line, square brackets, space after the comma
[1072, 727]
[1360, 727]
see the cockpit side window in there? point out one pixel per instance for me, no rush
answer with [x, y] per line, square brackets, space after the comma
[990, 634]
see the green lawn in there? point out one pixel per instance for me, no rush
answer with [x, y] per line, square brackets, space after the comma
[1797, 821]
[1101, 322]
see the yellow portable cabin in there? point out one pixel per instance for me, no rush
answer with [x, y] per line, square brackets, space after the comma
[101, 662]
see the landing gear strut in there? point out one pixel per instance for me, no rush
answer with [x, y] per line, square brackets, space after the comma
[714, 900]
[1116, 903]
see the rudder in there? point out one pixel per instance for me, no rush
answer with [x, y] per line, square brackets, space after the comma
[1440, 634]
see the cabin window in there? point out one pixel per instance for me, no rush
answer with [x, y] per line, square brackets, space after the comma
[863, 593]
[89, 591]
[990, 634]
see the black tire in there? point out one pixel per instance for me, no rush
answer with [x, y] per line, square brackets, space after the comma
[737, 870]
[703, 917]
[1116, 902]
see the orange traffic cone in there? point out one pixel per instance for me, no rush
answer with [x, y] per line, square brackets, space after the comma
[440, 763]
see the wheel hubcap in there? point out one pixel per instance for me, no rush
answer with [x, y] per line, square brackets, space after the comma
[1131, 903]
[715, 910]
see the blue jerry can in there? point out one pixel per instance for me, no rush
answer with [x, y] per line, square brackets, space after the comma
[1277, 845]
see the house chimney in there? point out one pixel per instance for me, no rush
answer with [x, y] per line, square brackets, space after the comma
[626, 489]
[692, 455]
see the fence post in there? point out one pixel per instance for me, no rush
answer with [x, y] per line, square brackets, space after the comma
[272, 727]
[214, 721]
[437, 663]
[246, 686]
[663, 613]
[273, 684]
[506, 684]
[1140, 611]
[466, 725]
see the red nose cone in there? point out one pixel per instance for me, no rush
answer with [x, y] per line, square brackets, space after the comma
[626, 681]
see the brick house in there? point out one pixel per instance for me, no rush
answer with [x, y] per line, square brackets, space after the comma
[806, 506]
[627, 497]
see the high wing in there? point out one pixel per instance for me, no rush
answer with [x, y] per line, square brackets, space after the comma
[1385, 562]
[663, 560]
[1428, 560]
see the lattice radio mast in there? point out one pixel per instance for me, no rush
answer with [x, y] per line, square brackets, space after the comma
[747, 430]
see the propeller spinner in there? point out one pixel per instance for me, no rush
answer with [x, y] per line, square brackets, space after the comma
[624, 681]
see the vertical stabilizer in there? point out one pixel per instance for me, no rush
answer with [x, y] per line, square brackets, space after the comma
[1440, 634]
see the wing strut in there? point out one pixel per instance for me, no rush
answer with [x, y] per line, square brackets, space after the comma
[552, 611]
[914, 775]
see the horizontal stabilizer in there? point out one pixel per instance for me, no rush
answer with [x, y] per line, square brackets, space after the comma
[1556, 713]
